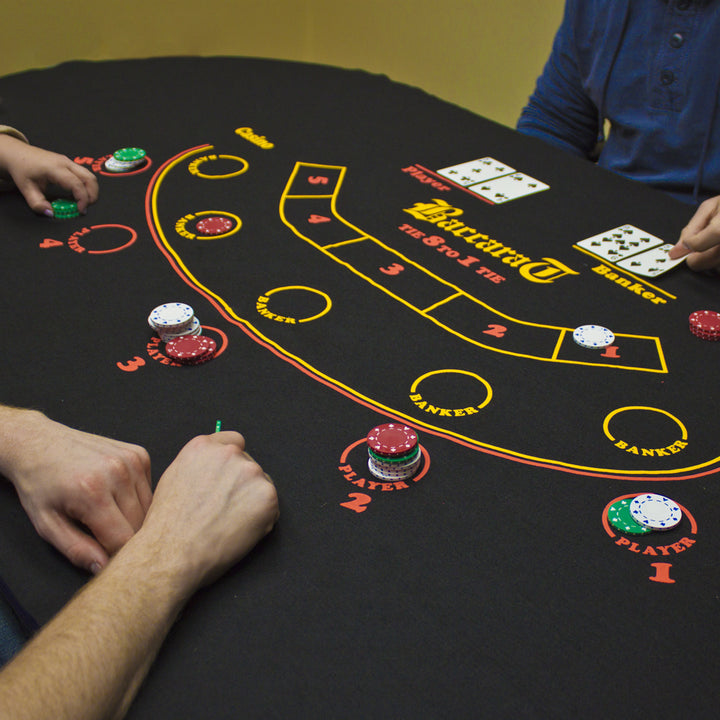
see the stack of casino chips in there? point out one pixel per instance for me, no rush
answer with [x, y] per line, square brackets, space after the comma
[394, 452]
[125, 160]
[180, 330]
[705, 324]
[64, 209]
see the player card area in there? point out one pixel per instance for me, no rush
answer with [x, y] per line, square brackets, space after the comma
[632, 249]
[492, 180]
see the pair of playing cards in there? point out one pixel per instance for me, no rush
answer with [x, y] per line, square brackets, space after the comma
[492, 180]
[632, 249]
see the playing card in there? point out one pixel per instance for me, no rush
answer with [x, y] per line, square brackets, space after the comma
[475, 171]
[650, 263]
[508, 187]
[620, 242]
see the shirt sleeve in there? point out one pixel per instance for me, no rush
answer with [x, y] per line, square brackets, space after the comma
[7, 130]
[560, 111]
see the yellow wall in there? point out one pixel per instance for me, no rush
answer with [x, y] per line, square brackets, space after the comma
[481, 54]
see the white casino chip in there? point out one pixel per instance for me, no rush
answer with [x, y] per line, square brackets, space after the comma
[171, 316]
[593, 336]
[655, 511]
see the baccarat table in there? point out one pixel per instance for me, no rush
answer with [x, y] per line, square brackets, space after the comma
[372, 254]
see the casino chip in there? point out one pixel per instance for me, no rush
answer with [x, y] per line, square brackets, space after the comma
[129, 154]
[593, 336]
[621, 519]
[214, 225]
[194, 329]
[171, 318]
[393, 452]
[392, 439]
[705, 324]
[181, 332]
[656, 512]
[64, 209]
[191, 349]
[125, 159]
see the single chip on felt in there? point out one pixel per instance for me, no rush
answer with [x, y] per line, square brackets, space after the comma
[191, 349]
[593, 336]
[214, 225]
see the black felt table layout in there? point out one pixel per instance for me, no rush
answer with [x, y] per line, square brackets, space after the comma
[354, 284]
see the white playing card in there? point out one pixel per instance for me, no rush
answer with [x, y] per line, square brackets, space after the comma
[650, 263]
[620, 242]
[508, 187]
[475, 171]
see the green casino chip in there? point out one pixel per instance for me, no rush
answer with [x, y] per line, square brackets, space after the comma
[129, 154]
[621, 519]
[400, 459]
[64, 209]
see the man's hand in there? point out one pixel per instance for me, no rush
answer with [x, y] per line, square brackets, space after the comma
[32, 169]
[87, 495]
[211, 506]
[700, 238]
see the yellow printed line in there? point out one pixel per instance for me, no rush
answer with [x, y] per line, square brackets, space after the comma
[457, 292]
[374, 403]
[561, 338]
[438, 304]
[308, 197]
[626, 272]
[342, 243]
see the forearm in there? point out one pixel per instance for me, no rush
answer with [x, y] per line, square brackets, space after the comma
[560, 110]
[8, 137]
[17, 426]
[89, 661]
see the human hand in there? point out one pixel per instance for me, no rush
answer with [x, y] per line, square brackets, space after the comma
[32, 169]
[85, 494]
[700, 238]
[211, 506]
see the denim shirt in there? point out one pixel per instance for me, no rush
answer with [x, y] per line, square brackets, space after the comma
[651, 68]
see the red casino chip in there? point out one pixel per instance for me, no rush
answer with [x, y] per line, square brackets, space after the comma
[705, 324]
[392, 439]
[191, 349]
[214, 225]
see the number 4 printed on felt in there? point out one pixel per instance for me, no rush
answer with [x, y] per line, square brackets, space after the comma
[49, 243]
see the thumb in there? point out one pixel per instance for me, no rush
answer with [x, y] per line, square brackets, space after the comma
[77, 546]
[35, 198]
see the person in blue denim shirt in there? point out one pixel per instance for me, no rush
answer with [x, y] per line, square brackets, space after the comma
[647, 71]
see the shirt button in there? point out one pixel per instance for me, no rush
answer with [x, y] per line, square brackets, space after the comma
[667, 77]
[676, 40]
